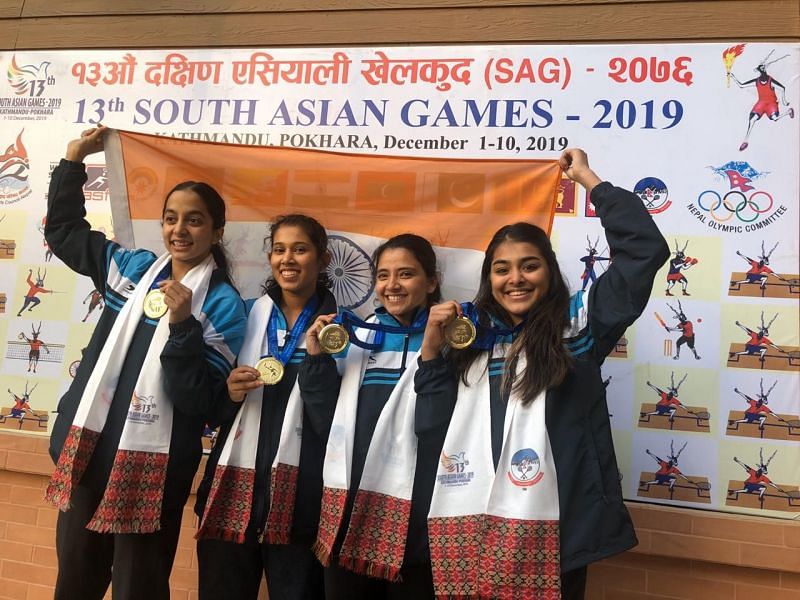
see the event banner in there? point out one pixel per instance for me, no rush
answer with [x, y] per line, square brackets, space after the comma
[452, 142]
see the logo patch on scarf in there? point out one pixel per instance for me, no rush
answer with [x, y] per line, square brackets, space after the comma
[525, 468]
[456, 467]
[142, 410]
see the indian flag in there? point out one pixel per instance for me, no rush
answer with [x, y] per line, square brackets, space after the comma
[361, 200]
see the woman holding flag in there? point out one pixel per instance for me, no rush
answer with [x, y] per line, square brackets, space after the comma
[259, 500]
[541, 498]
[381, 457]
[127, 438]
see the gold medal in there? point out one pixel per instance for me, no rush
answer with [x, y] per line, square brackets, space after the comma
[333, 338]
[270, 369]
[460, 333]
[154, 305]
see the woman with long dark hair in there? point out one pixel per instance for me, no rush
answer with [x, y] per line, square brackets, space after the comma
[381, 456]
[259, 500]
[530, 425]
[127, 439]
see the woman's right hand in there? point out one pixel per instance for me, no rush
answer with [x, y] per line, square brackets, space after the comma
[242, 380]
[312, 334]
[91, 141]
[439, 317]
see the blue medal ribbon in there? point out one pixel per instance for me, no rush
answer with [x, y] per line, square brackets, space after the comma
[486, 335]
[297, 331]
[164, 274]
[350, 321]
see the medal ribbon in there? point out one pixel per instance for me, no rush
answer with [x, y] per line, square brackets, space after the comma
[165, 273]
[486, 335]
[293, 338]
[350, 321]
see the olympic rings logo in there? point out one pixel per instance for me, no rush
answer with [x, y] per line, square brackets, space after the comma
[746, 209]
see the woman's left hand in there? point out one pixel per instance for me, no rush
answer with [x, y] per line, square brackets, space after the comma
[178, 299]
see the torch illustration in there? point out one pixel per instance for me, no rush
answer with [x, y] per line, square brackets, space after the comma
[728, 56]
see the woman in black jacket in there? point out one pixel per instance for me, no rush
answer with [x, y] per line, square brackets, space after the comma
[164, 343]
[259, 500]
[537, 503]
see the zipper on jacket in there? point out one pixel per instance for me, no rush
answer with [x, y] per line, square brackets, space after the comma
[405, 353]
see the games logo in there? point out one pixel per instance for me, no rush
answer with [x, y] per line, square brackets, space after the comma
[28, 83]
[455, 466]
[654, 194]
[526, 468]
[14, 170]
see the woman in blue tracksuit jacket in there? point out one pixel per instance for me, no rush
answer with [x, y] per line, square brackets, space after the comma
[406, 285]
[195, 367]
[522, 291]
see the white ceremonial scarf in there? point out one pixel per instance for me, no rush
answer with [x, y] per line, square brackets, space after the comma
[490, 523]
[132, 499]
[229, 504]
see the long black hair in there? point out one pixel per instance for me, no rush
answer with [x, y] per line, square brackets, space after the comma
[422, 250]
[215, 206]
[319, 239]
[541, 337]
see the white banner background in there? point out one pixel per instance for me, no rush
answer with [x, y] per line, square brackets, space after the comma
[667, 112]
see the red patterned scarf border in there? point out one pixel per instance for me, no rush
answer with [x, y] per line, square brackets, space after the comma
[330, 519]
[495, 557]
[229, 503]
[134, 493]
[376, 538]
[72, 462]
[283, 489]
[455, 544]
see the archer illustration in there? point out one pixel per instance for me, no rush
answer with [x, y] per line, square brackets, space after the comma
[589, 262]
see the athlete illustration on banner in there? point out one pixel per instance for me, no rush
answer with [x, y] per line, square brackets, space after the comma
[758, 345]
[677, 265]
[22, 404]
[759, 275]
[767, 99]
[686, 329]
[36, 287]
[589, 262]
[21, 416]
[663, 482]
[95, 299]
[754, 491]
[48, 253]
[35, 346]
[759, 420]
[670, 413]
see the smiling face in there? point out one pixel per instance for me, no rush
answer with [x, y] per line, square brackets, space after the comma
[401, 284]
[187, 229]
[519, 277]
[295, 262]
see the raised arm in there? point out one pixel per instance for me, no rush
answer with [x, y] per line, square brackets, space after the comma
[636, 247]
[67, 232]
